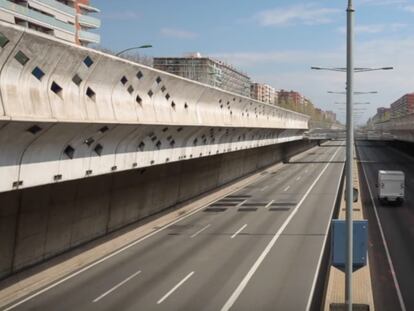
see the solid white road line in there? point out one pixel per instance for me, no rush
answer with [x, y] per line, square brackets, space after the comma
[238, 231]
[384, 242]
[266, 251]
[199, 231]
[175, 288]
[264, 188]
[286, 189]
[270, 203]
[116, 286]
[241, 203]
[328, 226]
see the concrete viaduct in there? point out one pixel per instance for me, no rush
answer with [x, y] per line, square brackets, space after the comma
[90, 143]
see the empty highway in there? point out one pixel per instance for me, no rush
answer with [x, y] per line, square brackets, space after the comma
[391, 228]
[256, 249]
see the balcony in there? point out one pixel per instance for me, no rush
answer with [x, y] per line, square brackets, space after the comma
[89, 21]
[35, 17]
[89, 37]
[52, 6]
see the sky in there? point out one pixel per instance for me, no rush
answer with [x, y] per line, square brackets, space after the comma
[276, 42]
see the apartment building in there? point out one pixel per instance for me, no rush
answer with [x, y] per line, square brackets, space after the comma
[206, 70]
[69, 20]
[263, 92]
[403, 106]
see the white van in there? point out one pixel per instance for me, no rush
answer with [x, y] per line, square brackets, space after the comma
[391, 186]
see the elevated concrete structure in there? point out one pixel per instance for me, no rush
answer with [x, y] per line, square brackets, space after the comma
[400, 129]
[68, 112]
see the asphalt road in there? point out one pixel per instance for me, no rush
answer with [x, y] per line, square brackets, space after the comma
[397, 225]
[257, 249]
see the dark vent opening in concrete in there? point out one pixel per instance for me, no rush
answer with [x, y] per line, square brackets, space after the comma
[172, 104]
[141, 146]
[103, 129]
[172, 143]
[3, 40]
[139, 75]
[130, 89]
[38, 73]
[88, 61]
[179, 129]
[90, 93]
[185, 105]
[124, 80]
[158, 80]
[34, 129]
[150, 93]
[21, 58]
[138, 100]
[165, 129]
[167, 97]
[89, 141]
[77, 80]
[163, 88]
[69, 151]
[56, 88]
[158, 144]
[98, 149]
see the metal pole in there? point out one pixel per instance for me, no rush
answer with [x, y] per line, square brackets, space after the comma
[349, 153]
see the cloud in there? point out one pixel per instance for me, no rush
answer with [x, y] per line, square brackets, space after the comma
[122, 15]
[178, 33]
[382, 2]
[375, 28]
[305, 14]
[409, 8]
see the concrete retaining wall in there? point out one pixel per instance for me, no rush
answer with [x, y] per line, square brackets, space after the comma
[40, 222]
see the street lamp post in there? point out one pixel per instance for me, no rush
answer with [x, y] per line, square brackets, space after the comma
[145, 46]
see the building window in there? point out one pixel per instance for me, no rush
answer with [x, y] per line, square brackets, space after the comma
[88, 61]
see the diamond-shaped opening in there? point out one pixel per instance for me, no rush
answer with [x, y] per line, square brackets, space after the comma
[163, 88]
[98, 149]
[90, 93]
[150, 93]
[167, 97]
[138, 100]
[77, 80]
[38, 73]
[89, 141]
[139, 75]
[88, 61]
[3, 40]
[69, 151]
[130, 89]
[141, 146]
[34, 129]
[103, 129]
[172, 104]
[158, 144]
[185, 105]
[124, 80]
[56, 88]
[158, 80]
[165, 129]
[21, 58]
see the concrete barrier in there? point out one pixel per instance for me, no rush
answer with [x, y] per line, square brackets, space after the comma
[40, 222]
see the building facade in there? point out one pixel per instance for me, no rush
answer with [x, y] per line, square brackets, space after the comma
[403, 106]
[291, 96]
[207, 71]
[68, 20]
[263, 92]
